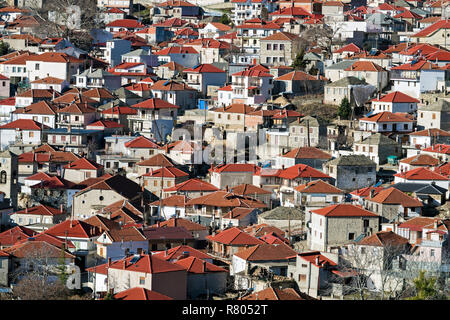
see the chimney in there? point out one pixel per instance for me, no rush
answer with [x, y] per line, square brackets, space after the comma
[435, 224]
[317, 261]
[158, 224]
[61, 208]
[109, 262]
[26, 209]
[226, 188]
[372, 192]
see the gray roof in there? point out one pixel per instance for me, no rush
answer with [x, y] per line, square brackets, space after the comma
[312, 56]
[313, 122]
[378, 139]
[137, 52]
[283, 213]
[440, 105]
[125, 93]
[345, 82]
[419, 188]
[95, 73]
[341, 65]
[115, 103]
[352, 160]
[379, 18]
[420, 12]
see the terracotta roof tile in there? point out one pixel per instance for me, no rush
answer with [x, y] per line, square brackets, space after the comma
[344, 210]
[395, 196]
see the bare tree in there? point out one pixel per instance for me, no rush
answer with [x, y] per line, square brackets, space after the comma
[36, 274]
[69, 19]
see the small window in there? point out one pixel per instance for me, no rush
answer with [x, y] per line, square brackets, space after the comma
[142, 280]
[351, 236]
[101, 198]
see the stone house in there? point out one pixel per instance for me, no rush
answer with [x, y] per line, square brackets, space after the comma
[279, 48]
[337, 224]
[299, 82]
[428, 137]
[392, 204]
[377, 147]
[435, 115]
[371, 72]
[336, 91]
[351, 172]
[317, 194]
[282, 217]
[299, 135]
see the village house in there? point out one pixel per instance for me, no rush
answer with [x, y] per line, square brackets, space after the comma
[156, 180]
[392, 204]
[299, 82]
[191, 188]
[377, 147]
[240, 217]
[149, 272]
[351, 172]
[395, 102]
[317, 194]
[306, 131]
[231, 174]
[25, 133]
[422, 175]
[176, 93]
[428, 137]
[82, 169]
[41, 214]
[310, 156]
[279, 48]
[336, 91]
[339, 223]
[119, 243]
[230, 241]
[387, 122]
[171, 206]
[201, 76]
[434, 115]
[420, 160]
[371, 72]
[163, 238]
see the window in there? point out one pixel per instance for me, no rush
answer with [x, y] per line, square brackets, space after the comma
[405, 126]
[433, 116]
[101, 198]
[31, 134]
[142, 280]
[432, 253]
[351, 236]
[363, 250]
[36, 66]
[281, 46]
[3, 176]
[304, 265]
[155, 183]
[302, 277]
[45, 119]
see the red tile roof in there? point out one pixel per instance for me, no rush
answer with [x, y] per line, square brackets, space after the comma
[25, 124]
[387, 116]
[125, 23]
[351, 47]
[154, 103]
[421, 160]
[141, 142]
[442, 24]
[419, 65]
[307, 153]
[367, 66]
[267, 252]
[397, 97]
[83, 164]
[176, 50]
[248, 190]
[439, 148]
[40, 210]
[312, 256]
[158, 160]
[138, 293]
[15, 234]
[73, 229]
[318, 186]
[180, 251]
[205, 68]
[198, 266]
[166, 172]
[344, 210]
[147, 264]
[233, 167]
[192, 185]
[234, 236]
[271, 293]
[226, 199]
[421, 173]
[395, 196]
[120, 110]
[384, 238]
[302, 171]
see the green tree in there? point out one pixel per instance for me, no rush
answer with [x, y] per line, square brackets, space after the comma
[109, 296]
[299, 63]
[4, 48]
[426, 288]
[225, 19]
[62, 273]
[344, 110]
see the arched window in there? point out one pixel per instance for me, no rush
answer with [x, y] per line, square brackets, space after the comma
[3, 177]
